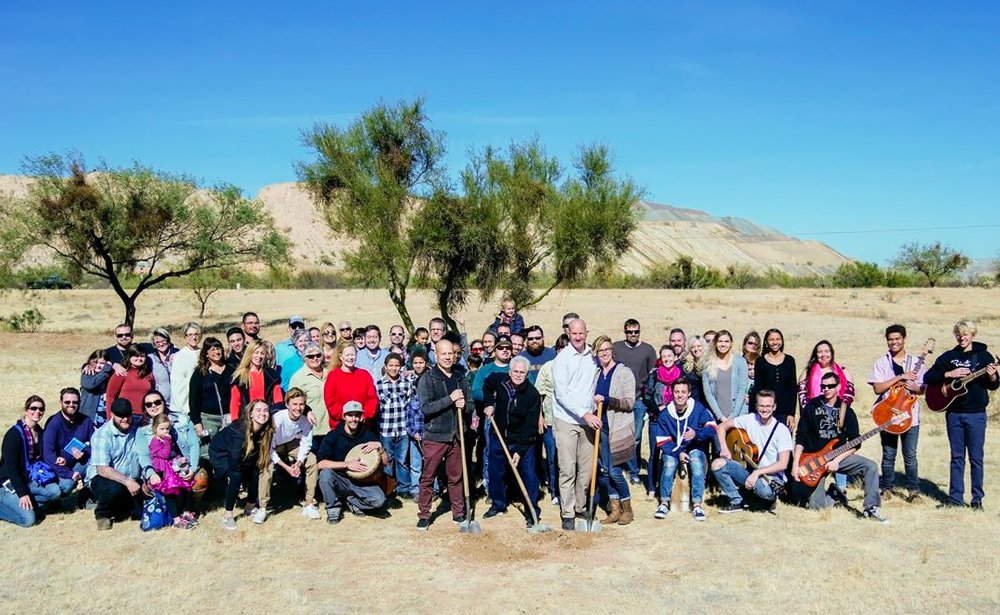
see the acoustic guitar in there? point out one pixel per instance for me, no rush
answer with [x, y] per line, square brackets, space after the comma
[812, 466]
[899, 399]
[746, 452]
[940, 396]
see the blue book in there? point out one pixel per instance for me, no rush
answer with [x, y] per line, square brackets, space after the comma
[74, 443]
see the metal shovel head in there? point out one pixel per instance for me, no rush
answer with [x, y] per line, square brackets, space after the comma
[470, 527]
[584, 525]
[539, 528]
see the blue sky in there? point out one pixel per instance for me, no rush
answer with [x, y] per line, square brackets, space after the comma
[819, 119]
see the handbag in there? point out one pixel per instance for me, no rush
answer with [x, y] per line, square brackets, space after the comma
[155, 515]
[38, 471]
[223, 412]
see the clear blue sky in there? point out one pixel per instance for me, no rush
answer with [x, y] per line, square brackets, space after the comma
[812, 117]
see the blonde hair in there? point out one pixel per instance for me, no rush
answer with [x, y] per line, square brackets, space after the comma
[600, 341]
[267, 433]
[242, 374]
[712, 364]
[335, 361]
[965, 325]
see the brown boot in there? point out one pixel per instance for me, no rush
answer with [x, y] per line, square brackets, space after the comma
[615, 514]
[627, 515]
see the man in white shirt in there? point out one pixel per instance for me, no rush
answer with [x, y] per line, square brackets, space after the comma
[774, 441]
[573, 379]
[291, 450]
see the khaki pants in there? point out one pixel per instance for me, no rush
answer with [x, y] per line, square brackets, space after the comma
[575, 450]
[289, 452]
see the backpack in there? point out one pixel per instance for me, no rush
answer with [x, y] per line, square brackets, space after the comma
[155, 515]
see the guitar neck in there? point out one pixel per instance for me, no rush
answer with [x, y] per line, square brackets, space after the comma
[843, 448]
[974, 375]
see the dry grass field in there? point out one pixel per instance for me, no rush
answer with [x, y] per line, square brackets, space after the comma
[927, 560]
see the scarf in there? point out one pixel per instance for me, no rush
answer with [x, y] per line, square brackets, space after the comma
[816, 375]
[667, 375]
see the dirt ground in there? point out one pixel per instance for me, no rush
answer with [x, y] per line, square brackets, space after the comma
[926, 560]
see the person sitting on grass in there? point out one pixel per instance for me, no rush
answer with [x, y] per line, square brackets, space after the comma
[337, 487]
[113, 473]
[291, 450]
[684, 431]
[69, 426]
[28, 483]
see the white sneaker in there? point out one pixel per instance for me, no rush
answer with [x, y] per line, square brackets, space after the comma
[311, 512]
[259, 516]
[662, 511]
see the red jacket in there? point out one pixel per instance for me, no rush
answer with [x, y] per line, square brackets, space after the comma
[132, 387]
[342, 387]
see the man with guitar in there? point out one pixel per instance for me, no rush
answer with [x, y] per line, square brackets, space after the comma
[953, 372]
[824, 420]
[897, 379]
[764, 445]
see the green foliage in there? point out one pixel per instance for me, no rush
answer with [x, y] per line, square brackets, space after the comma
[857, 274]
[935, 261]
[739, 276]
[365, 177]
[119, 222]
[28, 321]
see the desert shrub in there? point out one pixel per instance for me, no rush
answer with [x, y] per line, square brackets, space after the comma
[857, 274]
[28, 321]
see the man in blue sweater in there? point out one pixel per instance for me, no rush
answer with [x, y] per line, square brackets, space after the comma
[684, 430]
[61, 429]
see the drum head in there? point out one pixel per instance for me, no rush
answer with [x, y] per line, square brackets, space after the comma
[372, 461]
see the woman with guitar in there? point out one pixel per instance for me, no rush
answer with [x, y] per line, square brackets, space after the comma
[897, 379]
[966, 412]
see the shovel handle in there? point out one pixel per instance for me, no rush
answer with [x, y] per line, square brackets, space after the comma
[517, 475]
[461, 441]
[597, 448]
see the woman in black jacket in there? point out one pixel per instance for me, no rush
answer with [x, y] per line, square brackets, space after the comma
[239, 453]
[21, 493]
[210, 390]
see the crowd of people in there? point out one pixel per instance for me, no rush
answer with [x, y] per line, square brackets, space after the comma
[351, 424]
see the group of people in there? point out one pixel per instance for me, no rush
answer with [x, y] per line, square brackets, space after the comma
[339, 417]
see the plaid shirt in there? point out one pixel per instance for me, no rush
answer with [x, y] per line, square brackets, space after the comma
[394, 398]
[414, 417]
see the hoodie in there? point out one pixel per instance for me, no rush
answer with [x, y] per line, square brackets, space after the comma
[976, 400]
[671, 427]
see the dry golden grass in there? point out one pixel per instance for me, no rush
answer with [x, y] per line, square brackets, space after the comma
[927, 560]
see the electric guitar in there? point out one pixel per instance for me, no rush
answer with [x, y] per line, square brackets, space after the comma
[940, 396]
[900, 399]
[746, 452]
[812, 466]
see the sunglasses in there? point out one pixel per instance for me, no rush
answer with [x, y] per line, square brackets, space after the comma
[344, 329]
[314, 356]
[534, 339]
[631, 332]
[36, 409]
[330, 332]
[476, 350]
[298, 325]
[71, 403]
[153, 404]
[827, 387]
[123, 335]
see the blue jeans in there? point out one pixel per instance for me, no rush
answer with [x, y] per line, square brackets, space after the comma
[10, 503]
[890, 442]
[397, 447]
[732, 477]
[549, 442]
[500, 470]
[697, 476]
[966, 433]
[617, 483]
[653, 466]
[416, 466]
[639, 410]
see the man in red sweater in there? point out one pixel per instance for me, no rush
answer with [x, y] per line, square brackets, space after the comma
[348, 383]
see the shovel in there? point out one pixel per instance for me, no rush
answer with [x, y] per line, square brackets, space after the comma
[470, 525]
[536, 526]
[590, 524]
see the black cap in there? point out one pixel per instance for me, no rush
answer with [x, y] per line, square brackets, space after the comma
[503, 340]
[121, 407]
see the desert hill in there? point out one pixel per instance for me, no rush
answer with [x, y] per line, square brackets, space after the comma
[664, 233]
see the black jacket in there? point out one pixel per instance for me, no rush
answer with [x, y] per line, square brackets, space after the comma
[515, 410]
[13, 465]
[434, 391]
[210, 393]
[225, 451]
[818, 425]
[978, 397]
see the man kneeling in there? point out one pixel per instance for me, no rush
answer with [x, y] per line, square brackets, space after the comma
[774, 443]
[337, 487]
[685, 429]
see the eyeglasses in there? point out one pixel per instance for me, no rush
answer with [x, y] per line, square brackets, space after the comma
[535, 339]
[123, 335]
[297, 325]
[476, 350]
[344, 329]
[330, 332]
[507, 348]
[605, 350]
[71, 403]
[153, 404]
[36, 409]
[827, 387]
[631, 331]
[752, 343]
[314, 356]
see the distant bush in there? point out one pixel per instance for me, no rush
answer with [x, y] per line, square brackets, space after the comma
[28, 321]
[857, 274]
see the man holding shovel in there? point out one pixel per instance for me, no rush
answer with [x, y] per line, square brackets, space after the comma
[443, 391]
[573, 379]
[515, 408]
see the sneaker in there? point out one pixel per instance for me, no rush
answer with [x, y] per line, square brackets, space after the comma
[977, 506]
[182, 524]
[311, 512]
[494, 512]
[423, 524]
[334, 515]
[405, 495]
[914, 498]
[874, 514]
[190, 518]
[555, 500]
[834, 493]
[357, 512]
[259, 516]
[104, 523]
[732, 507]
[229, 523]
[249, 510]
[569, 525]
[698, 513]
[458, 519]
[662, 511]
[634, 480]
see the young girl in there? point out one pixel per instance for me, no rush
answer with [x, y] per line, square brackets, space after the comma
[175, 473]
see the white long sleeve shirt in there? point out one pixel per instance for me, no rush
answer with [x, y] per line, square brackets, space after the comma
[573, 382]
[287, 430]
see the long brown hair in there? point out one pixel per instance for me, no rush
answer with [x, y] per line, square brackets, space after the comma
[204, 363]
[267, 433]
[135, 351]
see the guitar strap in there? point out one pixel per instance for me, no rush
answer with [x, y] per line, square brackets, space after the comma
[763, 449]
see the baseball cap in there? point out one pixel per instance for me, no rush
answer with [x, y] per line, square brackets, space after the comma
[503, 340]
[121, 407]
[353, 407]
[296, 320]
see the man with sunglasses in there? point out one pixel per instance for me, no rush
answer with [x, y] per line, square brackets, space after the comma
[535, 351]
[284, 349]
[113, 473]
[344, 329]
[824, 419]
[68, 462]
[640, 358]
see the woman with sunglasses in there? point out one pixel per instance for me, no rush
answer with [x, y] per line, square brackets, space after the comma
[137, 381]
[210, 387]
[310, 379]
[22, 491]
[328, 341]
[182, 432]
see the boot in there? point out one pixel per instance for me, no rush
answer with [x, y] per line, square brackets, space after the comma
[615, 514]
[626, 516]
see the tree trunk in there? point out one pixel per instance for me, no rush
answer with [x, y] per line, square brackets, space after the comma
[129, 310]
[398, 297]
